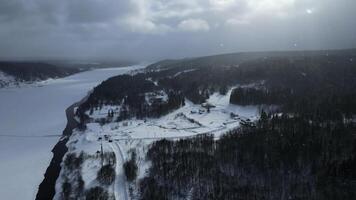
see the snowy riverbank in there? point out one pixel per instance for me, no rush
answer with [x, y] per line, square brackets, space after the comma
[31, 120]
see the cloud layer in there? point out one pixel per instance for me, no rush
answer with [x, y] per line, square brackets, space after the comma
[155, 29]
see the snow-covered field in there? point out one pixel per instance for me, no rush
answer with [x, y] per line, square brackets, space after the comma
[31, 120]
[136, 135]
[189, 120]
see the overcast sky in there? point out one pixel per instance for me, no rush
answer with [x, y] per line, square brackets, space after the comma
[156, 29]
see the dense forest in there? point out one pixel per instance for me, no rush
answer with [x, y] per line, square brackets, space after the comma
[305, 152]
[305, 149]
[296, 74]
[34, 71]
[322, 87]
[280, 157]
[130, 92]
[235, 59]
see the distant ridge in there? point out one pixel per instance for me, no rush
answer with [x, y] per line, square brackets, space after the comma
[31, 71]
[240, 57]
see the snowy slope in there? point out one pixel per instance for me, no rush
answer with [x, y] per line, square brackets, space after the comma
[188, 120]
[27, 114]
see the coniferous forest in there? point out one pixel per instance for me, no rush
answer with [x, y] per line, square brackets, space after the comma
[303, 149]
[280, 157]
[32, 71]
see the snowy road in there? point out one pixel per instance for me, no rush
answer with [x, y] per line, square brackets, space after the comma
[120, 186]
[27, 114]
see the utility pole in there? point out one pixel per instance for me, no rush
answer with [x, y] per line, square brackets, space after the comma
[102, 154]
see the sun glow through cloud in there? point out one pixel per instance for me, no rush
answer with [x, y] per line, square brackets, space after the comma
[271, 7]
[309, 11]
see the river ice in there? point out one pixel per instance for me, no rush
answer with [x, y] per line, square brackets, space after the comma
[28, 115]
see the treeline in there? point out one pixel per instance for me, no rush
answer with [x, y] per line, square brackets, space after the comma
[320, 86]
[321, 104]
[73, 186]
[34, 71]
[136, 106]
[305, 152]
[130, 93]
[239, 58]
[255, 96]
[297, 75]
[197, 85]
[298, 82]
[280, 157]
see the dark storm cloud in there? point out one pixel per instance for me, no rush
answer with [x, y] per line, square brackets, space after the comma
[11, 9]
[94, 11]
[152, 29]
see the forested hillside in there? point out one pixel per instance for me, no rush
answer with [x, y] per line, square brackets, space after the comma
[305, 148]
[239, 58]
[319, 83]
[279, 158]
[33, 71]
[132, 92]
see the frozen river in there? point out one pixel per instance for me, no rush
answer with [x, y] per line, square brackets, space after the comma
[30, 114]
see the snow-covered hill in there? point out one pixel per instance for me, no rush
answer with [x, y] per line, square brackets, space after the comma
[18, 73]
[124, 137]
[9, 81]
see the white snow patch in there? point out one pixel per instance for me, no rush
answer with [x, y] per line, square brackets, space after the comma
[151, 97]
[103, 111]
[185, 71]
[7, 80]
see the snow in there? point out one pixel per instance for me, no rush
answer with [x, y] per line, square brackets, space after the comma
[150, 97]
[187, 121]
[9, 81]
[137, 134]
[6, 80]
[28, 115]
[185, 71]
[120, 186]
[89, 172]
[103, 112]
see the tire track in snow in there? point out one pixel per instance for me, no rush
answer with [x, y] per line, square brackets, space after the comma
[120, 187]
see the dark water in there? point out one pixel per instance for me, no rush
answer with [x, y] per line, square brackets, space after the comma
[46, 190]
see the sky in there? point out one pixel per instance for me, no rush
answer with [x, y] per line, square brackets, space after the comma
[157, 29]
